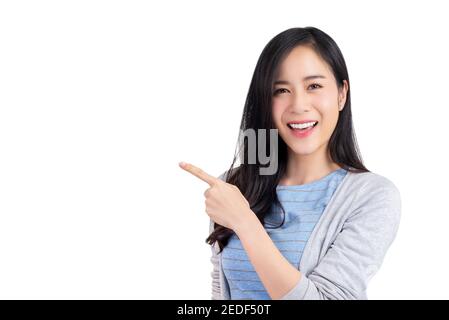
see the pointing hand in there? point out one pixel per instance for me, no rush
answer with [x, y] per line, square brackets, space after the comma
[225, 204]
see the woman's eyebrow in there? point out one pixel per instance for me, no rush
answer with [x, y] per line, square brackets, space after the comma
[315, 76]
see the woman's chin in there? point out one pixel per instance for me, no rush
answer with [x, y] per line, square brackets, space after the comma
[303, 149]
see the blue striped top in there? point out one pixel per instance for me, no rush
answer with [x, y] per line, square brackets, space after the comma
[303, 205]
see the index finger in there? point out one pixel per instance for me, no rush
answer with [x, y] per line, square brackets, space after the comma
[197, 172]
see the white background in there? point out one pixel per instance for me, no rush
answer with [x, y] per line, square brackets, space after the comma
[100, 100]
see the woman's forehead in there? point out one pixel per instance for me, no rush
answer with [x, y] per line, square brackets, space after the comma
[302, 64]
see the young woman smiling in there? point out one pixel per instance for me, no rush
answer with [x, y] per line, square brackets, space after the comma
[319, 227]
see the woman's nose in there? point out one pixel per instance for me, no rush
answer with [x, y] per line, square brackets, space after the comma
[300, 102]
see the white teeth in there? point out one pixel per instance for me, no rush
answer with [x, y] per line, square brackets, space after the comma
[302, 125]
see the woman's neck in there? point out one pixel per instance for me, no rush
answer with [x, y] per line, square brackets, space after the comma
[302, 169]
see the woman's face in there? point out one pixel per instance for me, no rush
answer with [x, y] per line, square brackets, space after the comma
[297, 98]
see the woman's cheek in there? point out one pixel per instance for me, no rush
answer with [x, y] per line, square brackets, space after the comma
[278, 110]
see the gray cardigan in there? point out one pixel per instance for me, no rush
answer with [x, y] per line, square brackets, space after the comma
[347, 245]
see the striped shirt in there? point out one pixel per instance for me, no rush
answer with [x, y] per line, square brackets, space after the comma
[303, 205]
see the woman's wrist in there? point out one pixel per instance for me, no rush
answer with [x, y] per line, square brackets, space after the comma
[249, 220]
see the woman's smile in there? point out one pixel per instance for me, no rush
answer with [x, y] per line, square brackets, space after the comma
[302, 129]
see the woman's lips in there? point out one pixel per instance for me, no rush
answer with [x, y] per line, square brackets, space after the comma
[303, 133]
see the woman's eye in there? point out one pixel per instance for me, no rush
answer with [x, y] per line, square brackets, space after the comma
[315, 84]
[278, 90]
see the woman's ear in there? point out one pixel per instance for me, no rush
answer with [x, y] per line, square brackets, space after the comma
[342, 95]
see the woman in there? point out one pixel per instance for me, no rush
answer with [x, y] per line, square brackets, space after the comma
[320, 226]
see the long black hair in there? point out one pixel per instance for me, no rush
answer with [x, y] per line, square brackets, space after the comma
[260, 190]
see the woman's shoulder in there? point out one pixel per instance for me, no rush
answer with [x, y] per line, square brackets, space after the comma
[371, 181]
[376, 195]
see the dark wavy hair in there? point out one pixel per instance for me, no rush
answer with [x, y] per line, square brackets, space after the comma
[260, 190]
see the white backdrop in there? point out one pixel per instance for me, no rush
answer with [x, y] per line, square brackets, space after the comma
[100, 100]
